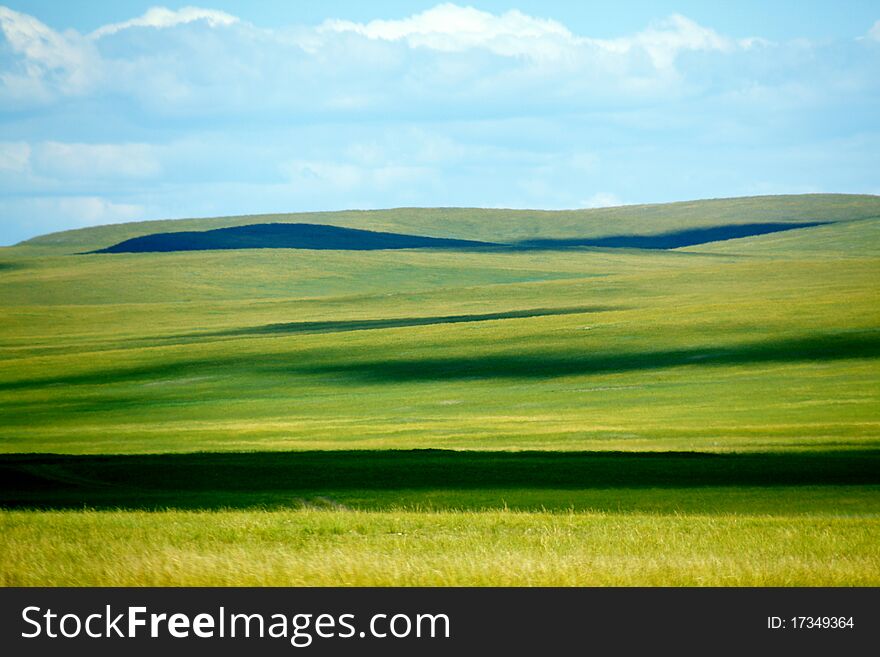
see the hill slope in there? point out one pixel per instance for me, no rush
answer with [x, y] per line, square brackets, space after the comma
[727, 396]
[764, 342]
[335, 238]
[499, 225]
[284, 235]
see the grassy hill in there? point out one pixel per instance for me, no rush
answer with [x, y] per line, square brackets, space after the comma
[701, 415]
[495, 225]
[574, 349]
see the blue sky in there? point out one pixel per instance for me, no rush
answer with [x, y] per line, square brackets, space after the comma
[122, 111]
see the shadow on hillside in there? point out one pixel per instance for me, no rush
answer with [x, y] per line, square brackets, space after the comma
[671, 240]
[345, 366]
[286, 236]
[240, 480]
[327, 237]
[547, 365]
[341, 326]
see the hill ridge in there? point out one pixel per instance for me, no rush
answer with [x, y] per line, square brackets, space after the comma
[324, 237]
[509, 225]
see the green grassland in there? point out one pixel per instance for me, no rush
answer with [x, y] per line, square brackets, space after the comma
[405, 548]
[511, 225]
[705, 415]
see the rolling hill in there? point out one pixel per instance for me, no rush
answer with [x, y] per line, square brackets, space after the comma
[506, 226]
[334, 238]
[574, 348]
[560, 407]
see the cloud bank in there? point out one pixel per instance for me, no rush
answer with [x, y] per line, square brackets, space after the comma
[160, 17]
[196, 111]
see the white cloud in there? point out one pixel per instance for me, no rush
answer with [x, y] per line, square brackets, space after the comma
[339, 176]
[15, 156]
[450, 106]
[38, 42]
[444, 56]
[409, 145]
[96, 161]
[24, 217]
[602, 200]
[89, 210]
[65, 60]
[663, 40]
[162, 17]
[874, 32]
[329, 175]
[451, 28]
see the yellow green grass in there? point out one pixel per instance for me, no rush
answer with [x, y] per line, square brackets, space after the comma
[765, 346]
[405, 548]
[671, 351]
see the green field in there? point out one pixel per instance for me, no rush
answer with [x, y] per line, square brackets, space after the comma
[700, 416]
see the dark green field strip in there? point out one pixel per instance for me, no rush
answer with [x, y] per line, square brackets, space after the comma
[247, 479]
[328, 326]
[862, 344]
[341, 326]
[524, 365]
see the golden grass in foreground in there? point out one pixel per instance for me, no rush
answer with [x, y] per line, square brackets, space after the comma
[401, 548]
